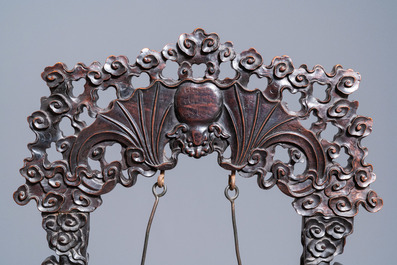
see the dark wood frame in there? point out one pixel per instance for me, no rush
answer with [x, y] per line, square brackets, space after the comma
[198, 116]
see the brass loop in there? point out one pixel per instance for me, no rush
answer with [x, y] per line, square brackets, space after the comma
[160, 179]
[232, 180]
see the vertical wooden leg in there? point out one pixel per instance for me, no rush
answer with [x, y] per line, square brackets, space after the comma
[323, 238]
[67, 235]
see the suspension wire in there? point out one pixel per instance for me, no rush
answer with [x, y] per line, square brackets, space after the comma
[156, 202]
[160, 184]
[231, 199]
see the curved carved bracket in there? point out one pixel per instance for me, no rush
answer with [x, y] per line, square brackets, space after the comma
[196, 117]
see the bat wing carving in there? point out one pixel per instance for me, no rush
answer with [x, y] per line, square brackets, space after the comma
[138, 125]
[257, 125]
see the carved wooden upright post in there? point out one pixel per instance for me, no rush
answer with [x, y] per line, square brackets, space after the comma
[198, 116]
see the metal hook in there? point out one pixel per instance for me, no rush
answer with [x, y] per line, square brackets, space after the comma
[232, 180]
[160, 179]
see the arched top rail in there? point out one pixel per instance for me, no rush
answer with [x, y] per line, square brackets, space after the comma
[197, 114]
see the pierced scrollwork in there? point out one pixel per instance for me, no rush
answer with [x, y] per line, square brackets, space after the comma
[197, 116]
[67, 235]
[323, 238]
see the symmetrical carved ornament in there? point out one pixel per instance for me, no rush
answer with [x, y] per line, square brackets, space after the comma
[196, 117]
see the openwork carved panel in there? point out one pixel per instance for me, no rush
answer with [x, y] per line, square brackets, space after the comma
[196, 117]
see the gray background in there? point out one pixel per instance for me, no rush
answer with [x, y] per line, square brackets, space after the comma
[193, 225]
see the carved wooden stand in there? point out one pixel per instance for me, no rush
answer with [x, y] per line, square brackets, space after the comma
[198, 116]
